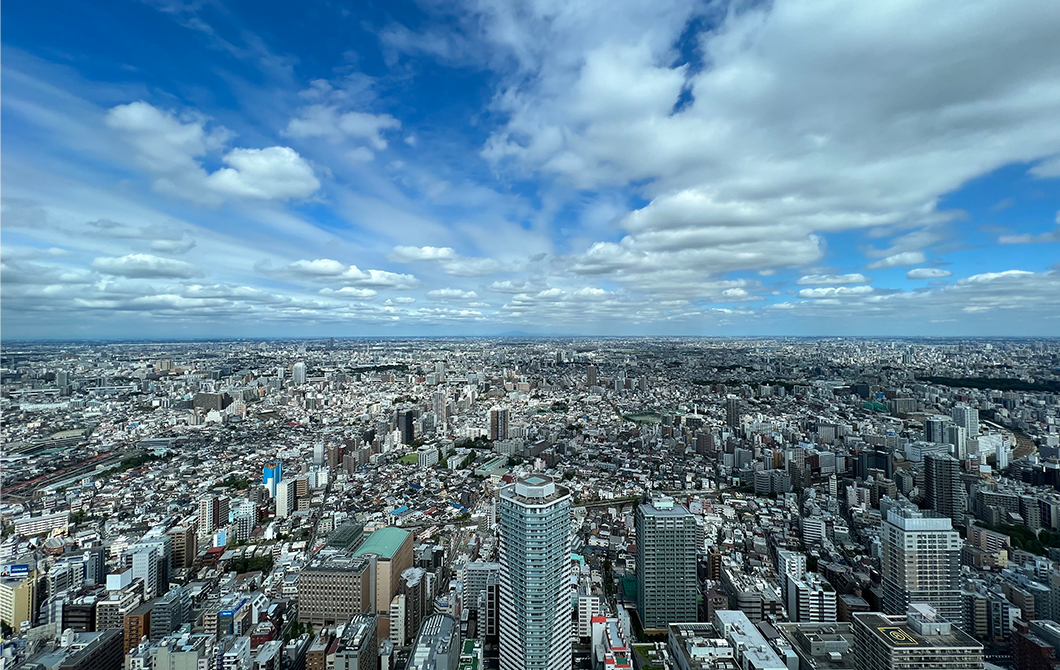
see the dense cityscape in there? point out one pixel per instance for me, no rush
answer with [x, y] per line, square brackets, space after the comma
[531, 504]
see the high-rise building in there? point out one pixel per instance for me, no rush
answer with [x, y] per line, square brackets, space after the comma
[534, 515]
[591, 375]
[958, 437]
[935, 428]
[666, 563]
[271, 476]
[438, 406]
[298, 374]
[921, 561]
[944, 489]
[286, 498]
[920, 639]
[966, 417]
[406, 420]
[498, 424]
[184, 547]
[732, 412]
[213, 513]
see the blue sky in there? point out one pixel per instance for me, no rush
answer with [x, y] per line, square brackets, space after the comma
[265, 169]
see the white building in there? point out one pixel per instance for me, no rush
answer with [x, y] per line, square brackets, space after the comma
[535, 543]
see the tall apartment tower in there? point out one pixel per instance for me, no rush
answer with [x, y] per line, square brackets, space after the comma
[534, 515]
[286, 498]
[943, 486]
[967, 417]
[184, 547]
[666, 564]
[921, 563]
[498, 424]
[732, 412]
[213, 513]
[298, 374]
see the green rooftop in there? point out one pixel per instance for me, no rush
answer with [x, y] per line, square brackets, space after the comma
[384, 542]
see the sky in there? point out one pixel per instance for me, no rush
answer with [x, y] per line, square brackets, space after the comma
[677, 167]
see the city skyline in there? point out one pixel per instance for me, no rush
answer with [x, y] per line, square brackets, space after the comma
[200, 170]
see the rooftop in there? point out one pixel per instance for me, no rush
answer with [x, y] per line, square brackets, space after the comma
[384, 542]
[896, 633]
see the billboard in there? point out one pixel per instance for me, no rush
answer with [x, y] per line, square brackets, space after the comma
[14, 570]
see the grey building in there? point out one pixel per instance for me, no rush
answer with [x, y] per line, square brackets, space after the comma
[666, 564]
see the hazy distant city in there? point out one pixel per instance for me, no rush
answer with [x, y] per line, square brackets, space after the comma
[603, 503]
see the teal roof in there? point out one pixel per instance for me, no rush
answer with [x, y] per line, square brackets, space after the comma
[385, 542]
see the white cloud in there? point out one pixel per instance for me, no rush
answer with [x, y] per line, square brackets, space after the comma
[833, 280]
[274, 173]
[328, 271]
[144, 266]
[328, 122]
[448, 259]
[349, 292]
[171, 148]
[904, 258]
[835, 292]
[451, 294]
[794, 126]
[927, 273]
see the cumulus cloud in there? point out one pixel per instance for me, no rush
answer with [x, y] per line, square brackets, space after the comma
[835, 292]
[265, 174]
[328, 271]
[448, 259]
[927, 273]
[144, 266]
[788, 126]
[904, 258]
[451, 294]
[171, 148]
[349, 292]
[833, 280]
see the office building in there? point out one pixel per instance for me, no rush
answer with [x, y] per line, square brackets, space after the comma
[358, 648]
[810, 598]
[82, 651]
[920, 562]
[391, 550]
[534, 515]
[944, 490]
[592, 375]
[298, 374]
[666, 564]
[437, 645]
[331, 591]
[966, 417]
[406, 423]
[919, 639]
[18, 599]
[732, 412]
